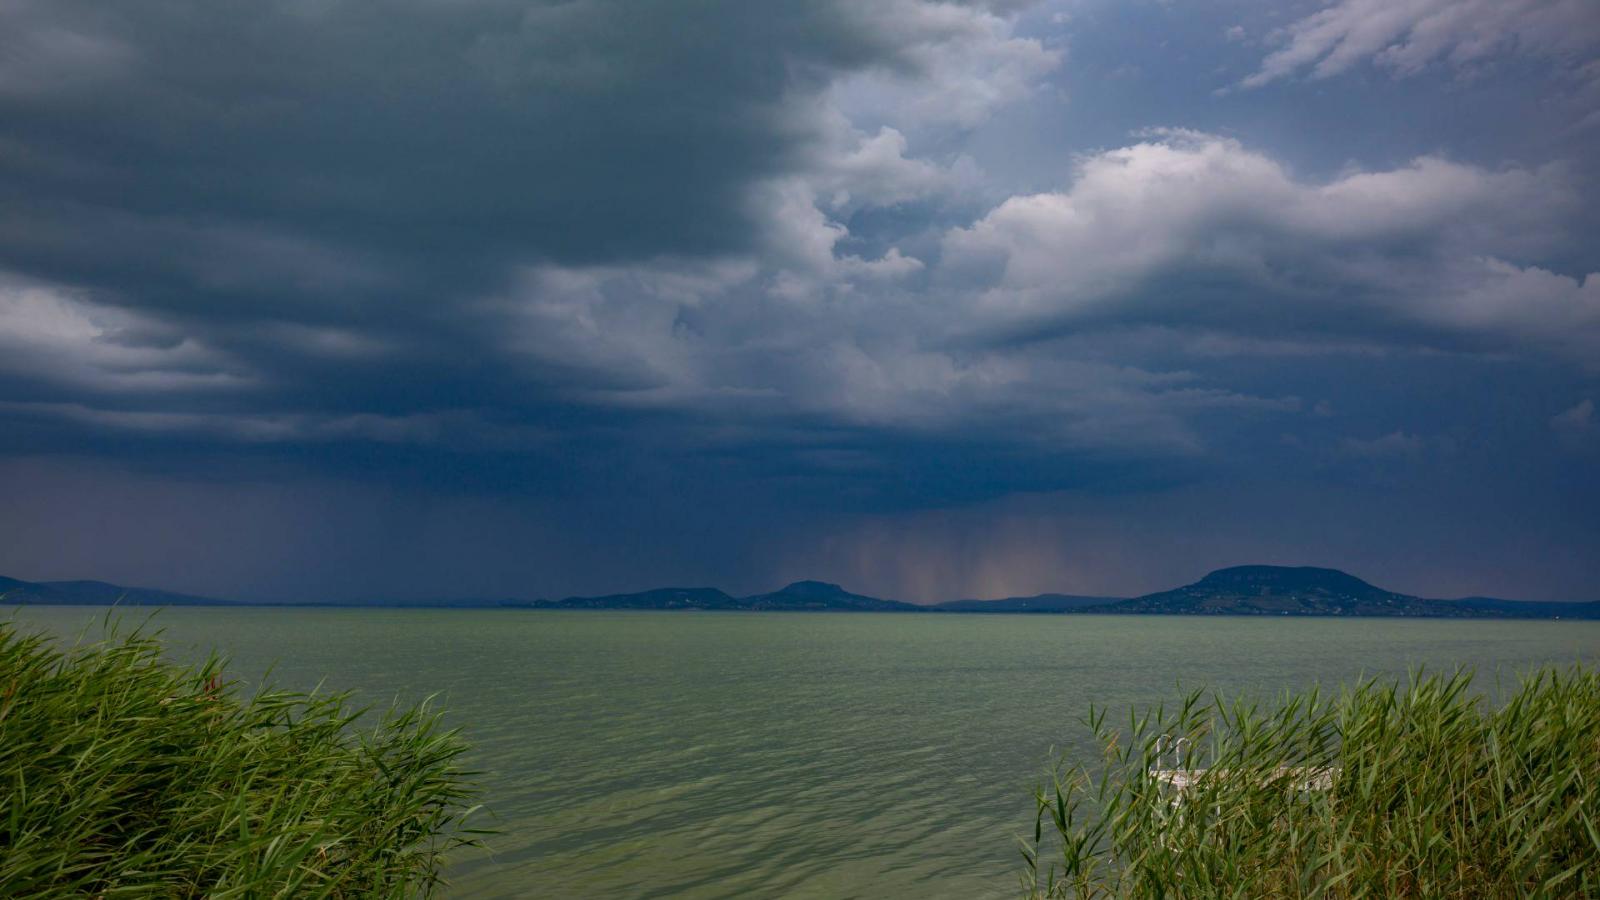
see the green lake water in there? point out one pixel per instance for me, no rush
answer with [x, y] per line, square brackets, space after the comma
[642, 754]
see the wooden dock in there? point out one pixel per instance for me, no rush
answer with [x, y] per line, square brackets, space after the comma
[1302, 778]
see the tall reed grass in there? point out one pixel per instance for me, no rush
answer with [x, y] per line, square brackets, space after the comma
[125, 776]
[1416, 789]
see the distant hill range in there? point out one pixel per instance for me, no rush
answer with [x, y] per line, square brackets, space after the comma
[1239, 591]
[802, 595]
[1038, 603]
[14, 592]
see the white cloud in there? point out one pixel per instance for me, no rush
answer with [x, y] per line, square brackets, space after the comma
[1406, 36]
[959, 64]
[1418, 244]
[1527, 304]
[875, 172]
[50, 333]
[955, 65]
[801, 239]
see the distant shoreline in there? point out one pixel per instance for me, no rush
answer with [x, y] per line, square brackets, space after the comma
[1242, 591]
[1517, 616]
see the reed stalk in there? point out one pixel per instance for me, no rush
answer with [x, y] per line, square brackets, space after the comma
[123, 775]
[1421, 788]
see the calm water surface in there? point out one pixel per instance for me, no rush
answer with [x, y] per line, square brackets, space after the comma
[640, 754]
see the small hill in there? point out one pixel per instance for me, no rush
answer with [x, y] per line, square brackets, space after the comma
[1038, 603]
[14, 591]
[660, 598]
[1309, 591]
[820, 595]
[1279, 590]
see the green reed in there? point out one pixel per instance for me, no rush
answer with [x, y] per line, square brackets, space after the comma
[125, 776]
[1415, 789]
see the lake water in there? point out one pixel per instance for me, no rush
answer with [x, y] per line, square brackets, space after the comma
[643, 754]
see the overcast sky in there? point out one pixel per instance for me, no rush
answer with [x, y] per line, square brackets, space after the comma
[325, 299]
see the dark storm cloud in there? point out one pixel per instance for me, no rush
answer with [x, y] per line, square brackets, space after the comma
[293, 206]
[294, 196]
[274, 221]
[335, 142]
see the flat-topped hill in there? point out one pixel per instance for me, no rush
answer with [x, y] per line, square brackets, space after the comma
[1311, 591]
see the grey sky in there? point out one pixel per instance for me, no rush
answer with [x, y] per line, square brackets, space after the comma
[328, 299]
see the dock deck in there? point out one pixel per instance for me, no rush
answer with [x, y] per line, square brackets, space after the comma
[1304, 778]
